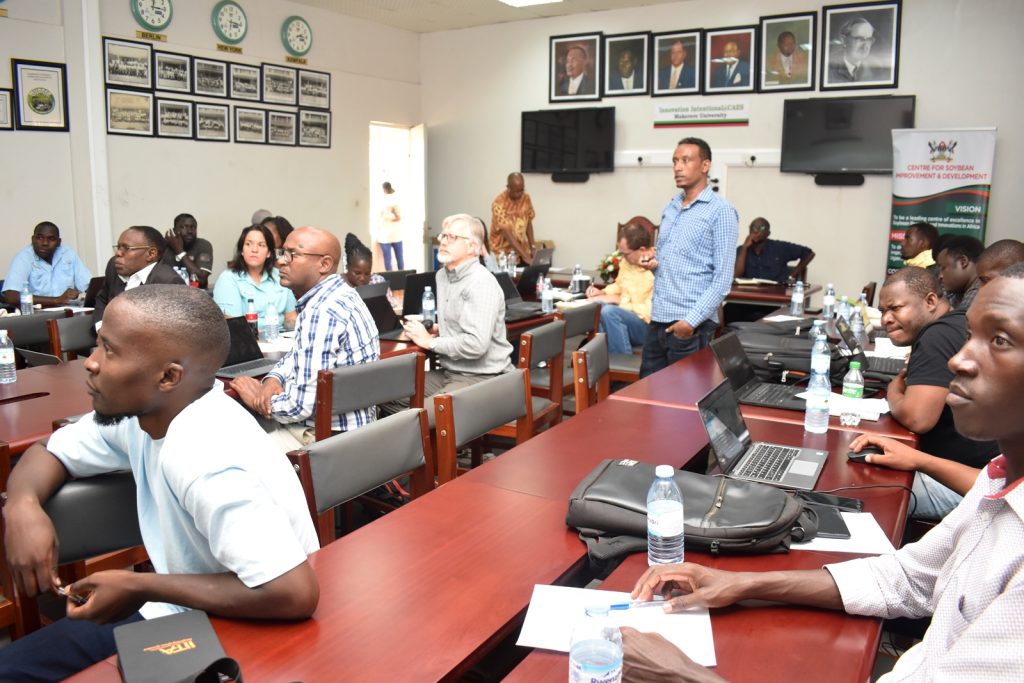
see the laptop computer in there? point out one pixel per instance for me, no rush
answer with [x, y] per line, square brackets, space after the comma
[244, 358]
[542, 257]
[412, 300]
[740, 458]
[369, 291]
[515, 307]
[527, 285]
[389, 326]
[886, 367]
[736, 367]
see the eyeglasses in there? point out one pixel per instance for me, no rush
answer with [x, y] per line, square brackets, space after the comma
[862, 41]
[122, 248]
[286, 255]
[451, 237]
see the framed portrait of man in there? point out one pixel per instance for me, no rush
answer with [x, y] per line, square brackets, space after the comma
[730, 56]
[574, 68]
[675, 63]
[625, 67]
[788, 52]
[860, 46]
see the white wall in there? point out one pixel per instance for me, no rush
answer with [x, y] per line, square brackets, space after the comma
[477, 81]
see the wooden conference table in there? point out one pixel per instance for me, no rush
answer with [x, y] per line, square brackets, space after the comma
[41, 395]
[766, 294]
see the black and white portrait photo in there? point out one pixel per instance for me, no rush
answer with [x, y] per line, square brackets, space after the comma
[861, 46]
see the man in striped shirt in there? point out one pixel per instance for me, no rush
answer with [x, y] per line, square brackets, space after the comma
[696, 256]
[334, 328]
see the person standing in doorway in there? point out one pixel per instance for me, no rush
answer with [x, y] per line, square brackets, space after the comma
[389, 229]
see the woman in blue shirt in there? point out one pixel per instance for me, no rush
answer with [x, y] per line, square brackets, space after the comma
[252, 275]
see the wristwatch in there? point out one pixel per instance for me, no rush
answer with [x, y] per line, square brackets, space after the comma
[180, 256]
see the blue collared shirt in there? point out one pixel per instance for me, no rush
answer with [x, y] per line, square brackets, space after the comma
[233, 290]
[696, 257]
[334, 328]
[771, 263]
[66, 271]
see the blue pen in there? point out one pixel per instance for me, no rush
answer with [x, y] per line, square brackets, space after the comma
[637, 603]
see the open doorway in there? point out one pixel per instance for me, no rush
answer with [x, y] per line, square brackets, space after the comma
[397, 157]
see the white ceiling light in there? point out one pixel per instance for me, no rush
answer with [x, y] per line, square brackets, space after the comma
[528, 3]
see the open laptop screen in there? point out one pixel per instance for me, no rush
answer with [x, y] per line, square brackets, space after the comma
[508, 287]
[412, 302]
[244, 346]
[733, 361]
[727, 432]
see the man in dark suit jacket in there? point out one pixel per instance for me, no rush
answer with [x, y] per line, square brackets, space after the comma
[576, 68]
[734, 72]
[136, 262]
[626, 70]
[677, 58]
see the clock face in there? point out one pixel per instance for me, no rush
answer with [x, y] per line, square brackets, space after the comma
[154, 15]
[297, 35]
[229, 21]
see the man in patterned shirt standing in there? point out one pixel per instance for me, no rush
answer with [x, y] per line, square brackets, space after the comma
[696, 256]
[512, 220]
[967, 573]
[334, 328]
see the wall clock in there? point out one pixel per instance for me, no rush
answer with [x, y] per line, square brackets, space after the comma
[229, 21]
[296, 35]
[152, 15]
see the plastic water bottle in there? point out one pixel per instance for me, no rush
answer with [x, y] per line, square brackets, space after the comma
[547, 297]
[665, 520]
[796, 300]
[817, 328]
[502, 262]
[595, 653]
[828, 302]
[816, 412]
[253, 318]
[28, 304]
[853, 387]
[429, 307]
[8, 374]
[540, 288]
[271, 323]
[576, 284]
[512, 261]
[821, 356]
[843, 310]
[857, 326]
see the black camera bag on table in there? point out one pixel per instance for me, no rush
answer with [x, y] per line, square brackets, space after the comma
[723, 516]
[771, 355]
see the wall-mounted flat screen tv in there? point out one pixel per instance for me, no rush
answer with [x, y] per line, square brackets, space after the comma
[569, 140]
[843, 134]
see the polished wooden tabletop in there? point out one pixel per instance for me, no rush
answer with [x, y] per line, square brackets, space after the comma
[766, 294]
[41, 395]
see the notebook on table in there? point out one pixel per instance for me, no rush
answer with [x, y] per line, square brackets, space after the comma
[750, 390]
[515, 307]
[244, 357]
[740, 458]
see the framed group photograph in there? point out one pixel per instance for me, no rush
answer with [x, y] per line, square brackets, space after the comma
[729, 59]
[573, 68]
[129, 112]
[861, 46]
[128, 64]
[245, 82]
[314, 128]
[314, 89]
[250, 125]
[281, 127]
[174, 118]
[6, 117]
[279, 84]
[625, 67]
[173, 72]
[40, 95]
[788, 52]
[676, 58]
[212, 122]
[210, 77]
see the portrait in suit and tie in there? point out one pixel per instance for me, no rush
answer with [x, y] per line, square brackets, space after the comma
[861, 46]
[788, 52]
[676, 65]
[727, 66]
[574, 68]
[625, 68]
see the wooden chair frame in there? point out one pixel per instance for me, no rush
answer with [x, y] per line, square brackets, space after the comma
[551, 414]
[588, 394]
[57, 343]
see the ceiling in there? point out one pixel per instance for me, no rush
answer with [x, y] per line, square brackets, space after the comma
[426, 16]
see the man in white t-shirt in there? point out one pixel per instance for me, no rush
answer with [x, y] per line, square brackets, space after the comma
[222, 515]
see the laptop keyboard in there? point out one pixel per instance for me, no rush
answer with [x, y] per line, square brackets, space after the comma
[241, 368]
[767, 462]
[887, 366]
[769, 393]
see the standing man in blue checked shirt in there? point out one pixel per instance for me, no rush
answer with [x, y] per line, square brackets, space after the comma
[334, 328]
[693, 270]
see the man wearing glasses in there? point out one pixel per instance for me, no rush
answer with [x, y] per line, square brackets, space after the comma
[135, 262]
[334, 328]
[850, 64]
[469, 339]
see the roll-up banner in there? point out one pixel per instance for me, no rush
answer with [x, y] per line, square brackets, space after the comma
[942, 177]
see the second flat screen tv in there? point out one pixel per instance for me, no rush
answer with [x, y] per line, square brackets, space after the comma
[842, 134]
[569, 140]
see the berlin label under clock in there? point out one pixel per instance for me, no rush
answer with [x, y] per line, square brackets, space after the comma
[229, 22]
[152, 15]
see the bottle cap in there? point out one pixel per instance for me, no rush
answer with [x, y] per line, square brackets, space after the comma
[427, 288]
[855, 365]
[664, 471]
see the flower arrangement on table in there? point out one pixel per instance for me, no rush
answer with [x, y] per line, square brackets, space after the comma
[608, 268]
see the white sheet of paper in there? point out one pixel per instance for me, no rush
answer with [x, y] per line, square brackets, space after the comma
[870, 409]
[884, 348]
[555, 610]
[865, 537]
[782, 318]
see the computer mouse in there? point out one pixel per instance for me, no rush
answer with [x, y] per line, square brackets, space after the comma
[864, 452]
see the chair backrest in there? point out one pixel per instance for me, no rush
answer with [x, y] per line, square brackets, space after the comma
[581, 320]
[869, 292]
[31, 330]
[590, 372]
[349, 464]
[71, 336]
[353, 387]
[545, 344]
[95, 285]
[469, 413]
[95, 515]
[396, 278]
